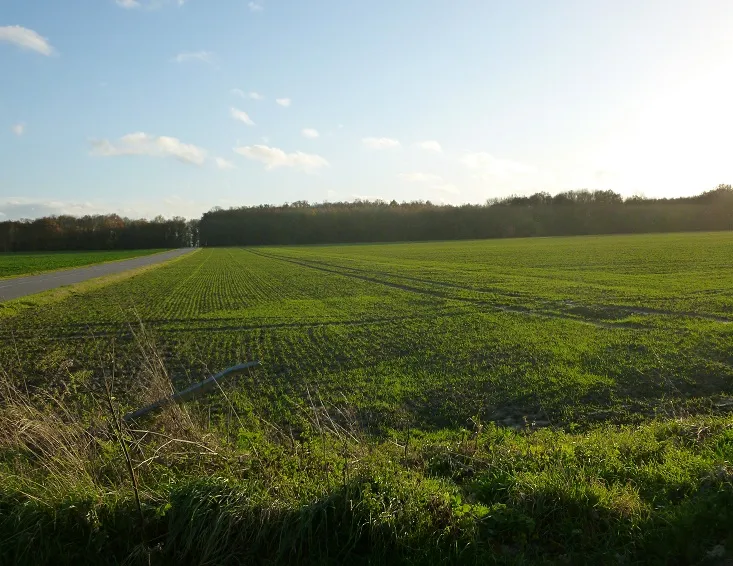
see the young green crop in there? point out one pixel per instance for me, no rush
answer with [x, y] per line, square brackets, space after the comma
[562, 331]
[17, 264]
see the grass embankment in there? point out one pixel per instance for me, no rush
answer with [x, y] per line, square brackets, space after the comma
[238, 489]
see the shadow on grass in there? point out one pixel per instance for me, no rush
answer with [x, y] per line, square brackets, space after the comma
[405, 520]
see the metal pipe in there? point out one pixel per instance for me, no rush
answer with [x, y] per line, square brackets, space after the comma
[196, 390]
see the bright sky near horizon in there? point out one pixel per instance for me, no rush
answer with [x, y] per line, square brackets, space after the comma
[172, 107]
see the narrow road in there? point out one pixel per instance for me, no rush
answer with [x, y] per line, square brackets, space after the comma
[22, 286]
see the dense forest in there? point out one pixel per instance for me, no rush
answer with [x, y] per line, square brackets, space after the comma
[99, 232]
[567, 213]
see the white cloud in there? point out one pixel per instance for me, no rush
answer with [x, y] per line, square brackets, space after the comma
[492, 166]
[15, 208]
[147, 4]
[21, 207]
[505, 176]
[18, 129]
[202, 56]
[381, 143]
[431, 181]
[251, 95]
[284, 102]
[274, 157]
[255, 7]
[370, 198]
[430, 145]
[26, 39]
[241, 116]
[309, 133]
[420, 177]
[224, 164]
[449, 188]
[141, 143]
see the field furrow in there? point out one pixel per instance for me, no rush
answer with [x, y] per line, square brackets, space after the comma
[565, 330]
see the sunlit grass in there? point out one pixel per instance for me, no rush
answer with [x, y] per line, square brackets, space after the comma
[512, 401]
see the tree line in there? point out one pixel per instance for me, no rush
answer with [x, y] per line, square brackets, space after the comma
[567, 213]
[98, 232]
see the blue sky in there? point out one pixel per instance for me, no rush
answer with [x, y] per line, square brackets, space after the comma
[173, 107]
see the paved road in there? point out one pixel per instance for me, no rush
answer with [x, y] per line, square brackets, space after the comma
[21, 286]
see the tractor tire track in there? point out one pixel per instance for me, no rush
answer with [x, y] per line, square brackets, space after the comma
[434, 293]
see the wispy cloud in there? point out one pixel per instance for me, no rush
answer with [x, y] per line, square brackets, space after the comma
[255, 6]
[309, 133]
[147, 4]
[381, 143]
[202, 56]
[496, 167]
[241, 116]
[420, 177]
[141, 143]
[508, 176]
[18, 129]
[26, 39]
[22, 207]
[430, 145]
[430, 180]
[274, 157]
[224, 164]
[370, 198]
[284, 102]
[449, 188]
[247, 95]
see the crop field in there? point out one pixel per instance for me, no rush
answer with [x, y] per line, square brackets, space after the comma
[559, 400]
[563, 331]
[31, 263]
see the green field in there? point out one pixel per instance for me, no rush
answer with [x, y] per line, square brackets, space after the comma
[31, 263]
[562, 330]
[513, 401]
